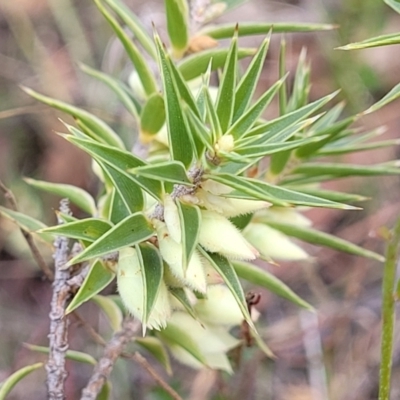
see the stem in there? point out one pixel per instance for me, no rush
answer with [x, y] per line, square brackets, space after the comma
[388, 312]
[104, 366]
[58, 336]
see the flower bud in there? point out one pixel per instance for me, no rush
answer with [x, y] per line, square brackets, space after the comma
[171, 217]
[219, 235]
[272, 243]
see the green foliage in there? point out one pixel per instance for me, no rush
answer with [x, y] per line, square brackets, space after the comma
[210, 158]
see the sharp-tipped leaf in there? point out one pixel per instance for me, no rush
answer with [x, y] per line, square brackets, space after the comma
[130, 231]
[180, 143]
[225, 31]
[225, 269]
[120, 161]
[274, 194]
[333, 151]
[96, 280]
[377, 41]
[344, 170]
[153, 274]
[392, 95]
[168, 171]
[134, 24]
[99, 129]
[329, 194]
[117, 87]
[274, 127]
[88, 229]
[323, 239]
[26, 223]
[196, 64]
[140, 64]
[265, 279]
[7, 385]
[248, 83]
[190, 220]
[74, 194]
[181, 296]
[248, 118]
[225, 100]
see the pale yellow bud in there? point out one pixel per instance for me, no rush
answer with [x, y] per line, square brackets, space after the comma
[225, 143]
[220, 307]
[195, 276]
[219, 235]
[272, 243]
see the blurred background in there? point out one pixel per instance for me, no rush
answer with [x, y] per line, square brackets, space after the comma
[333, 354]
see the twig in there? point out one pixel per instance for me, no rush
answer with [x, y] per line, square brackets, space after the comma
[388, 312]
[8, 194]
[58, 336]
[104, 366]
[145, 364]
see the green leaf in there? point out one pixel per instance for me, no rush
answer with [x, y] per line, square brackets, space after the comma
[110, 309]
[100, 130]
[190, 220]
[130, 231]
[228, 274]
[344, 170]
[275, 194]
[153, 274]
[137, 59]
[117, 209]
[269, 129]
[377, 41]
[196, 64]
[282, 73]
[134, 24]
[120, 161]
[201, 135]
[70, 354]
[152, 118]
[392, 95]
[12, 380]
[117, 87]
[180, 144]
[88, 229]
[272, 148]
[179, 336]
[128, 189]
[26, 223]
[395, 4]
[225, 31]
[248, 118]
[168, 171]
[177, 13]
[180, 295]
[248, 83]
[329, 194]
[155, 347]
[225, 100]
[184, 91]
[333, 151]
[301, 85]
[74, 194]
[212, 116]
[265, 279]
[96, 280]
[323, 239]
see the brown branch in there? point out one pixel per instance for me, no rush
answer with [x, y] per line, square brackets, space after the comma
[58, 336]
[8, 194]
[112, 351]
